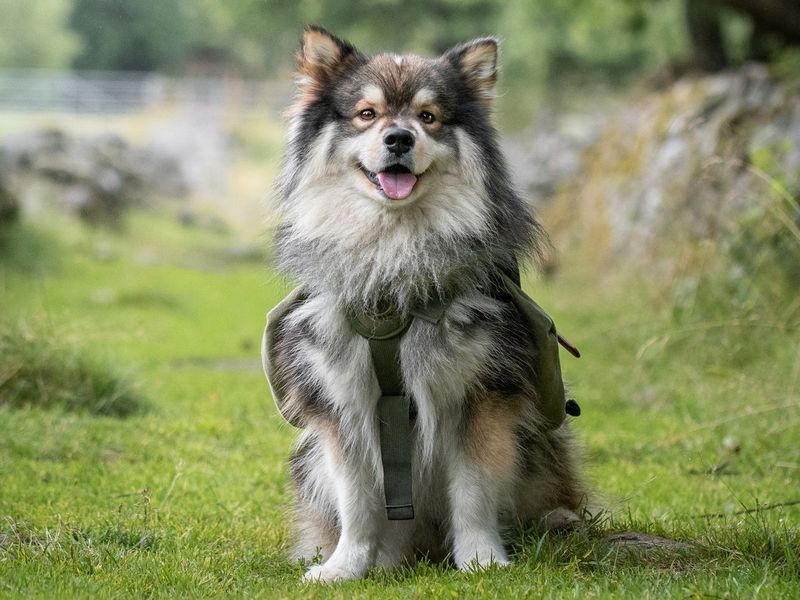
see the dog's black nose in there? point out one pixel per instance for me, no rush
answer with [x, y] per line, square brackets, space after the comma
[398, 140]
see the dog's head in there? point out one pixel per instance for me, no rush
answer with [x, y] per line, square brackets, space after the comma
[393, 181]
[389, 128]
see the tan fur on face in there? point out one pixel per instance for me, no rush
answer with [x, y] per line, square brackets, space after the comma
[425, 100]
[372, 98]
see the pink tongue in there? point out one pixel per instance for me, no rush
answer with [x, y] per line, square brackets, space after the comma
[397, 185]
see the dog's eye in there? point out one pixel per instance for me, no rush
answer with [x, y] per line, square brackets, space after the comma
[427, 117]
[367, 114]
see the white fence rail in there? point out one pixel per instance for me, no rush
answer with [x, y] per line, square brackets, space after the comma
[100, 92]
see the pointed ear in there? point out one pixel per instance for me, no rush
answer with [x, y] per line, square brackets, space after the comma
[322, 55]
[477, 63]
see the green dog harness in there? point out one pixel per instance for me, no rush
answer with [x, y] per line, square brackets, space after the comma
[384, 333]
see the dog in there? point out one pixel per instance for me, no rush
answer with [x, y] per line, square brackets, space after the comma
[394, 192]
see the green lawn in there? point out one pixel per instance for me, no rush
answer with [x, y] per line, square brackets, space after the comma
[682, 416]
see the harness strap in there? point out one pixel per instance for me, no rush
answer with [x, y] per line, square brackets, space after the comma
[394, 429]
[384, 332]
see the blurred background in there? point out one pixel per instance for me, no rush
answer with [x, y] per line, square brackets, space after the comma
[659, 141]
[107, 104]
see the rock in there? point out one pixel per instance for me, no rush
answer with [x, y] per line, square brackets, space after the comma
[675, 165]
[197, 147]
[549, 154]
[633, 540]
[95, 177]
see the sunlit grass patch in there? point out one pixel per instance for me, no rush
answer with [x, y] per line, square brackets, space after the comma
[36, 370]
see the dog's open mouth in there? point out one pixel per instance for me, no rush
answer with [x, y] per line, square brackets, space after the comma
[396, 182]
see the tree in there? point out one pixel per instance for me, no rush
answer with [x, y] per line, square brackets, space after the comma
[774, 23]
[36, 34]
[704, 26]
[781, 17]
[144, 35]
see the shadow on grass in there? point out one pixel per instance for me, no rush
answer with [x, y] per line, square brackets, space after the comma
[722, 545]
[35, 371]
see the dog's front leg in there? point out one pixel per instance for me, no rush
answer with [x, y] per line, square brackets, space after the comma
[483, 468]
[359, 509]
[473, 522]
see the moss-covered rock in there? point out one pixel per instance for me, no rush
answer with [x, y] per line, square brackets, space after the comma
[683, 164]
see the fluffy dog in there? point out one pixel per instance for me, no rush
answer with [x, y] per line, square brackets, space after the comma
[394, 193]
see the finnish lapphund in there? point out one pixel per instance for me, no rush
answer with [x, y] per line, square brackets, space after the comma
[394, 193]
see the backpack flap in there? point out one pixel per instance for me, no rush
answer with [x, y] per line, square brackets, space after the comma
[551, 397]
[277, 385]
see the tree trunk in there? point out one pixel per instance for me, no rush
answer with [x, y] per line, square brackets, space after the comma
[705, 34]
[9, 205]
[777, 16]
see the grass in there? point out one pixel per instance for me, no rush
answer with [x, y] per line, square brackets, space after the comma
[682, 417]
[36, 371]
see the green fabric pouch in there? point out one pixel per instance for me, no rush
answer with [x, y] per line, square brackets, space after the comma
[268, 342]
[550, 394]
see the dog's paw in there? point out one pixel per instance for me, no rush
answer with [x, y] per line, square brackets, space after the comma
[484, 559]
[561, 520]
[327, 574]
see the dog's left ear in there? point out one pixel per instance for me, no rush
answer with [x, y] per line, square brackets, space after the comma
[477, 63]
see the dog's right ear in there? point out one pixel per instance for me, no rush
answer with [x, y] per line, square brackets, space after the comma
[477, 63]
[322, 56]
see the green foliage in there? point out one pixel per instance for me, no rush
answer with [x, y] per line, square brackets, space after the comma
[547, 44]
[769, 252]
[755, 275]
[543, 40]
[39, 370]
[746, 292]
[552, 49]
[614, 38]
[26, 249]
[36, 34]
[548, 47]
[144, 35]
[787, 63]
[9, 208]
